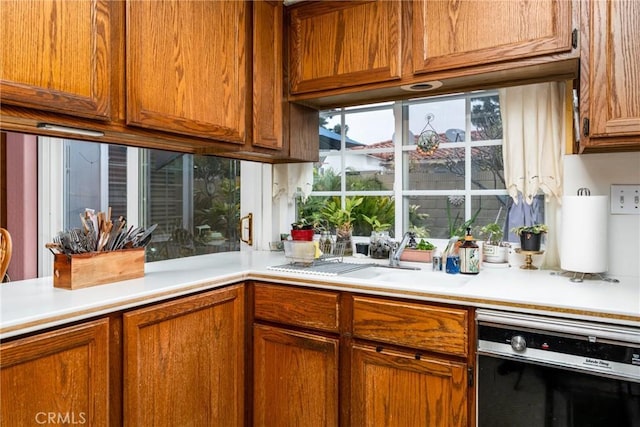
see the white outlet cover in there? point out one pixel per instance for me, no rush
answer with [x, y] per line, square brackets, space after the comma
[625, 199]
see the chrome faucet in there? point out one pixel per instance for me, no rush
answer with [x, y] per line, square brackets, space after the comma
[396, 250]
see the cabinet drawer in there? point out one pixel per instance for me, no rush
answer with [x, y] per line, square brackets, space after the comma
[297, 307]
[413, 325]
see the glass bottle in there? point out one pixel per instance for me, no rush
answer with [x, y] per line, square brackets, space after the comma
[325, 244]
[469, 255]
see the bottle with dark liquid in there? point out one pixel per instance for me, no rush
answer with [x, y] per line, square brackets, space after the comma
[469, 255]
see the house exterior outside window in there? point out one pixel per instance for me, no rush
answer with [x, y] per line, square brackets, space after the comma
[376, 152]
[195, 200]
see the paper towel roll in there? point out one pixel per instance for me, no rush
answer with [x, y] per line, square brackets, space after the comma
[584, 243]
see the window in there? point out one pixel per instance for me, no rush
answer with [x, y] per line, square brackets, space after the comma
[195, 200]
[381, 153]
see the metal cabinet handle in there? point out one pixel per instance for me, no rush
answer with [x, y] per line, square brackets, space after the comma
[249, 228]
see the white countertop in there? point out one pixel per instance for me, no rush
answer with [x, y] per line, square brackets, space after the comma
[31, 305]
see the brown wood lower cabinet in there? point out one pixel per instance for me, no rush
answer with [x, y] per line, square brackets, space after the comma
[325, 358]
[391, 388]
[57, 377]
[316, 358]
[295, 378]
[184, 361]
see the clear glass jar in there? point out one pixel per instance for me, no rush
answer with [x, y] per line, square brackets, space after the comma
[326, 243]
[380, 244]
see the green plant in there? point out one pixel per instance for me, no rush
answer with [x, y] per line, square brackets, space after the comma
[423, 245]
[375, 224]
[457, 229]
[383, 207]
[302, 224]
[493, 233]
[341, 218]
[219, 209]
[535, 229]
[417, 221]
[419, 231]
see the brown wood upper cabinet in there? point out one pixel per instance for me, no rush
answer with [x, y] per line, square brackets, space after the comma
[343, 53]
[267, 74]
[610, 75]
[58, 55]
[201, 77]
[186, 64]
[454, 34]
[338, 44]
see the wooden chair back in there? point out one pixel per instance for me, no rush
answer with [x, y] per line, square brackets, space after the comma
[6, 249]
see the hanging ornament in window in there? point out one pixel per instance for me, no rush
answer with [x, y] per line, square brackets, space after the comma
[428, 140]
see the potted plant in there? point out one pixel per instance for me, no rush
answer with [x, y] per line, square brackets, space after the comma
[494, 250]
[458, 229]
[302, 230]
[379, 243]
[342, 219]
[418, 252]
[530, 236]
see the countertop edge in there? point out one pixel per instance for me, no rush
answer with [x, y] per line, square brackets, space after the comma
[175, 278]
[547, 310]
[113, 307]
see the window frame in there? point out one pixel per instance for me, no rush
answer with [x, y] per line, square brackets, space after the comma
[51, 190]
[400, 133]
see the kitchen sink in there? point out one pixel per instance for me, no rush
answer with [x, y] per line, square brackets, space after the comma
[422, 278]
[406, 275]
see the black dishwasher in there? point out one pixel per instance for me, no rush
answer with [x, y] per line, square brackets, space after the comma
[536, 371]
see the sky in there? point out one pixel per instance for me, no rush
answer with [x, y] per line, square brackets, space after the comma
[376, 126]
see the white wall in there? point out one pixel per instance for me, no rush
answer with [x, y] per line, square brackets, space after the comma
[355, 161]
[597, 172]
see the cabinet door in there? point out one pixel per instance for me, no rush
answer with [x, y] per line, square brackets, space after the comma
[398, 389]
[184, 361]
[56, 55]
[59, 377]
[187, 67]
[295, 378]
[339, 44]
[610, 81]
[267, 74]
[452, 34]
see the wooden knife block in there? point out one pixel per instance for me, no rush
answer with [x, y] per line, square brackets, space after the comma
[97, 268]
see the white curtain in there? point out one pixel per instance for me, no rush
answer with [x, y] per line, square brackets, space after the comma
[533, 124]
[291, 180]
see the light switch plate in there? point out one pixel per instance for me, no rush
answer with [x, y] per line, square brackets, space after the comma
[625, 199]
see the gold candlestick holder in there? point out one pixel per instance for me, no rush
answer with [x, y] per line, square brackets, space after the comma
[528, 258]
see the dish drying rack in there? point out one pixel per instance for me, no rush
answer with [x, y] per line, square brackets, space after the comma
[330, 263]
[331, 252]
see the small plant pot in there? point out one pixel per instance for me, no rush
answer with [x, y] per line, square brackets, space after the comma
[343, 240]
[416, 255]
[495, 254]
[530, 241]
[305, 235]
[362, 248]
